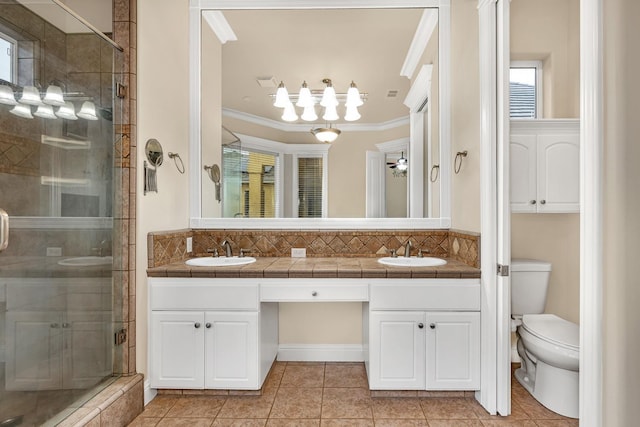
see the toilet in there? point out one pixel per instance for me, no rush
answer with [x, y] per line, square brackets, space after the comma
[549, 346]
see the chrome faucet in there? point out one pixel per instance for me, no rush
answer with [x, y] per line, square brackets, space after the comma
[227, 248]
[102, 248]
[407, 249]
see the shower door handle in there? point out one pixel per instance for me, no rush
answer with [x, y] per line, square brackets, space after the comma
[4, 230]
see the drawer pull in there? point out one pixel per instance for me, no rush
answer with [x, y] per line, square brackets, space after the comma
[197, 325]
[314, 294]
[432, 326]
[66, 325]
[420, 325]
[207, 325]
[55, 325]
[542, 202]
[533, 202]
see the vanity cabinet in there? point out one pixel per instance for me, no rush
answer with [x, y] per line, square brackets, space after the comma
[208, 333]
[545, 166]
[58, 333]
[424, 335]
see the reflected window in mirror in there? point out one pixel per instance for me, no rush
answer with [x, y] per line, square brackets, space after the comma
[311, 192]
[8, 58]
[525, 89]
[249, 180]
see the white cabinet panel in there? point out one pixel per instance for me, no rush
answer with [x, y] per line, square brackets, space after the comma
[231, 350]
[177, 349]
[397, 350]
[87, 355]
[545, 166]
[453, 351]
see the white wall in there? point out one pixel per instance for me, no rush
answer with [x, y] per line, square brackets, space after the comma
[621, 204]
[163, 113]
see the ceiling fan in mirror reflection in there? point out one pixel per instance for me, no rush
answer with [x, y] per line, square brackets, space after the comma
[399, 167]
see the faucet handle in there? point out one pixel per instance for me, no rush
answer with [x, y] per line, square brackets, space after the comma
[243, 252]
[394, 253]
[213, 252]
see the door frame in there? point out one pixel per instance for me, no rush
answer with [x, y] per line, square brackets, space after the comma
[591, 196]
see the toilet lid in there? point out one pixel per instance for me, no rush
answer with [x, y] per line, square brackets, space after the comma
[550, 327]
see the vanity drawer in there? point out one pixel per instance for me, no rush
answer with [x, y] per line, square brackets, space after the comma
[435, 295]
[309, 292]
[202, 294]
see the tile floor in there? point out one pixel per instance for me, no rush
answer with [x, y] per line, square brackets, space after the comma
[337, 394]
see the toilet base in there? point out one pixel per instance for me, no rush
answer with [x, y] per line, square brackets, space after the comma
[555, 388]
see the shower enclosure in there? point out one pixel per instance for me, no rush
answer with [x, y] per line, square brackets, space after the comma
[58, 326]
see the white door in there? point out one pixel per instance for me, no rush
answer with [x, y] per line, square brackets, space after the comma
[559, 173]
[522, 174]
[375, 185]
[177, 346]
[87, 342]
[453, 351]
[231, 353]
[34, 350]
[397, 350]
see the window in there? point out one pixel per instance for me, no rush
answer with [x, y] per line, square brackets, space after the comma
[8, 59]
[310, 187]
[525, 89]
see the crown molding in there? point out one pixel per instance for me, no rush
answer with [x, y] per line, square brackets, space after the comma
[312, 4]
[269, 145]
[483, 3]
[219, 25]
[420, 88]
[420, 41]
[393, 146]
[304, 127]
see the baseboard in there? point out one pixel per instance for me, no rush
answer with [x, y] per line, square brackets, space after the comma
[515, 357]
[320, 353]
[149, 393]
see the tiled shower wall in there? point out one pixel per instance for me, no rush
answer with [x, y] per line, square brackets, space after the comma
[168, 247]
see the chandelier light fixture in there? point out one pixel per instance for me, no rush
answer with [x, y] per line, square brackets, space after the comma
[306, 99]
[46, 102]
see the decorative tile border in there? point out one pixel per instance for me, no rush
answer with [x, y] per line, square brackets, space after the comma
[168, 247]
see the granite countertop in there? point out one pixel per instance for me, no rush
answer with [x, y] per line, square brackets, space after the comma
[335, 267]
[39, 266]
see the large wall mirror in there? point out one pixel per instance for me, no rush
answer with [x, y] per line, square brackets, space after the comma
[388, 166]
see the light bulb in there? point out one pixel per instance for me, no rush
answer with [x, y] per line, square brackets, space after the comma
[330, 114]
[282, 97]
[304, 97]
[329, 96]
[6, 95]
[289, 114]
[31, 96]
[88, 111]
[309, 114]
[54, 96]
[45, 112]
[352, 113]
[22, 110]
[353, 96]
[67, 111]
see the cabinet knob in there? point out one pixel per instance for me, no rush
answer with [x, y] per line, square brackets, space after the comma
[533, 202]
[420, 325]
[197, 325]
[542, 202]
[314, 294]
[432, 326]
[54, 325]
[207, 325]
[66, 325]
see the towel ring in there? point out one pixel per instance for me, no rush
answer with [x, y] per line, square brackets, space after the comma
[176, 158]
[457, 163]
[436, 169]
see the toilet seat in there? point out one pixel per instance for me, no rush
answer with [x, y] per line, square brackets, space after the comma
[553, 329]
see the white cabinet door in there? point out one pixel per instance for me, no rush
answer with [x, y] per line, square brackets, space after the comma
[177, 349]
[396, 350]
[523, 173]
[231, 352]
[34, 350]
[87, 342]
[453, 351]
[558, 173]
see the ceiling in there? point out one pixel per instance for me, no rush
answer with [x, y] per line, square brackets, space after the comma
[368, 46]
[96, 12]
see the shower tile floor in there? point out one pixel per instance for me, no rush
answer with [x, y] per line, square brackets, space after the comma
[337, 394]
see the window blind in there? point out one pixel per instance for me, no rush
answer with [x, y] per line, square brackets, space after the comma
[310, 187]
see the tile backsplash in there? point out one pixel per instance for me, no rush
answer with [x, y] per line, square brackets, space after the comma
[170, 246]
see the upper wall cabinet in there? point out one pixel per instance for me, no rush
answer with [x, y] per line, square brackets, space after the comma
[545, 166]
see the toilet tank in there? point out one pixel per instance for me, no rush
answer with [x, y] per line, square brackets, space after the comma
[529, 284]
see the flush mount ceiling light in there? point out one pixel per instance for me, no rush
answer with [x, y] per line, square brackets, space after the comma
[327, 135]
[328, 98]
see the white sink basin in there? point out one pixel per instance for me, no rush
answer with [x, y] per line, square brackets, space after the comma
[412, 261]
[220, 261]
[85, 261]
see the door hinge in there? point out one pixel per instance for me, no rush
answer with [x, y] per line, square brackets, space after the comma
[121, 90]
[503, 270]
[120, 336]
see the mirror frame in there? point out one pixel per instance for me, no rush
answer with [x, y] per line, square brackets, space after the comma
[195, 170]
